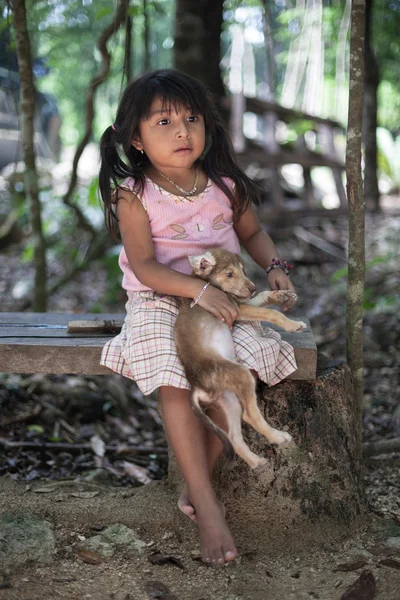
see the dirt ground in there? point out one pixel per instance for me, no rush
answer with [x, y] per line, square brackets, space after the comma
[277, 562]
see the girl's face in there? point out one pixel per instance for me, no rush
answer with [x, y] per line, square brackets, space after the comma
[172, 138]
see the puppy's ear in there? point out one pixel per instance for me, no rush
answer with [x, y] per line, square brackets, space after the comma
[202, 264]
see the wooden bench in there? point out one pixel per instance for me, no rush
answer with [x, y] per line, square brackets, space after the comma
[39, 343]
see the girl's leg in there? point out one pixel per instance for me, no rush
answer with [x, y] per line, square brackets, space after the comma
[214, 448]
[188, 439]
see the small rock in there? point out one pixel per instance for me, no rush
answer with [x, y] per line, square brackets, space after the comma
[112, 538]
[24, 539]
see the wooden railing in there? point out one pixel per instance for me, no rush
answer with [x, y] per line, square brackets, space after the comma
[268, 152]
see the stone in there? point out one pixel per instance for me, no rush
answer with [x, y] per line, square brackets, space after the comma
[113, 538]
[24, 539]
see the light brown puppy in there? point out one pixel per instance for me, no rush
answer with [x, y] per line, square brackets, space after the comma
[205, 347]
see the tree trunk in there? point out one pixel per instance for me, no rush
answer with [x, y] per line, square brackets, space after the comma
[198, 41]
[318, 475]
[128, 63]
[146, 38]
[370, 119]
[27, 96]
[356, 274]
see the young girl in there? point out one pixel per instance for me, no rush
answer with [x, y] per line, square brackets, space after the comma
[178, 192]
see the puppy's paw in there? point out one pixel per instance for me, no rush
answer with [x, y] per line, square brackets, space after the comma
[280, 437]
[295, 326]
[284, 297]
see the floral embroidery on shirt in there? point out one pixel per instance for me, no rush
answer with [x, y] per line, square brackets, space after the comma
[198, 227]
[182, 235]
[217, 222]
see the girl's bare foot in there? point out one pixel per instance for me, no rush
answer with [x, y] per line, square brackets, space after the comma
[216, 542]
[187, 507]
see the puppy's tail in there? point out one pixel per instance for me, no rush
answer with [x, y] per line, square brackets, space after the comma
[195, 398]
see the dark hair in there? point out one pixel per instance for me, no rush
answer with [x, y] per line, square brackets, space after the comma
[178, 89]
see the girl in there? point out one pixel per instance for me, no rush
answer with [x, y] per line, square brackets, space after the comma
[179, 192]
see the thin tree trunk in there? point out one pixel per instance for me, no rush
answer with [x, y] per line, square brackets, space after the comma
[146, 38]
[356, 276]
[128, 49]
[370, 118]
[27, 96]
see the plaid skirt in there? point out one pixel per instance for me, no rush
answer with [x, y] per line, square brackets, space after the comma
[145, 349]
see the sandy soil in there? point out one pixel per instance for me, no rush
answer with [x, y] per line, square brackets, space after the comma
[277, 562]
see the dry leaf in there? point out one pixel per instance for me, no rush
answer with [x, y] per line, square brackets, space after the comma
[159, 591]
[97, 445]
[138, 473]
[84, 495]
[390, 562]
[364, 588]
[351, 566]
[157, 559]
[88, 557]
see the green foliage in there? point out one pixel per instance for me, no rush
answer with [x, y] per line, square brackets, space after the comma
[373, 299]
[36, 429]
[67, 36]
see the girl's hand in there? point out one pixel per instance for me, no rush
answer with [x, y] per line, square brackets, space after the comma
[219, 305]
[278, 280]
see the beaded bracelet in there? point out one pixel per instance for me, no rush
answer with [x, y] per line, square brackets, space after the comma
[195, 301]
[279, 264]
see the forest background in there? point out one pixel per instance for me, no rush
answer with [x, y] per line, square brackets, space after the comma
[294, 54]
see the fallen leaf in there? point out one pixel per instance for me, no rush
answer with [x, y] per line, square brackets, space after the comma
[158, 559]
[390, 562]
[88, 557]
[84, 495]
[97, 445]
[353, 566]
[379, 549]
[364, 588]
[138, 473]
[159, 591]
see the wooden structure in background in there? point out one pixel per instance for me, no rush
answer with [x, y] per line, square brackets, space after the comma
[270, 154]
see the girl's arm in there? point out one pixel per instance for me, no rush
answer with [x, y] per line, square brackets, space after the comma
[261, 248]
[136, 237]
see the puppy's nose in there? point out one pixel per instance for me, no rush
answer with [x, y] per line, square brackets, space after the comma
[252, 289]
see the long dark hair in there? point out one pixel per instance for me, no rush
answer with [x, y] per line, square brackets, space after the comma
[176, 89]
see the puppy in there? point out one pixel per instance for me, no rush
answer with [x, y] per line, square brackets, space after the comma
[205, 347]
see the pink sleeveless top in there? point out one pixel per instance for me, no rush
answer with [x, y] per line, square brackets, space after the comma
[182, 227]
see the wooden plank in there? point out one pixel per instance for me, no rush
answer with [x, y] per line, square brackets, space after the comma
[260, 107]
[307, 158]
[46, 349]
[34, 318]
